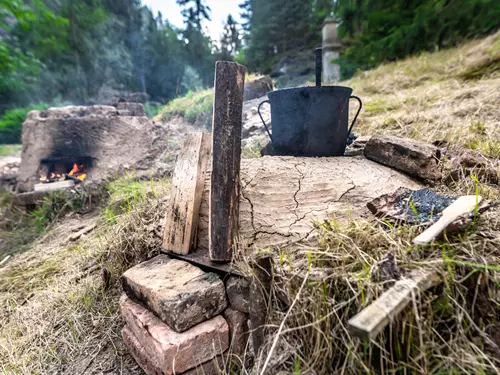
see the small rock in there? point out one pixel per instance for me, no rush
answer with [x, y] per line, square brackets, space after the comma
[238, 290]
[181, 294]
[171, 352]
[130, 109]
[238, 332]
[257, 88]
[416, 158]
[470, 162]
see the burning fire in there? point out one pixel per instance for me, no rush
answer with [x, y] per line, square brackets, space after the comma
[76, 173]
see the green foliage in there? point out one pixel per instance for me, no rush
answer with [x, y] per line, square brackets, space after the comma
[190, 106]
[127, 191]
[53, 206]
[11, 123]
[73, 48]
[230, 42]
[275, 28]
[19, 228]
[384, 30]
[373, 31]
[19, 66]
[151, 110]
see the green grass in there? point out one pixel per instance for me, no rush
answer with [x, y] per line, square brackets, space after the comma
[8, 150]
[190, 106]
[151, 110]
[11, 123]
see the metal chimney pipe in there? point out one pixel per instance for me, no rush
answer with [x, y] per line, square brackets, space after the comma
[319, 67]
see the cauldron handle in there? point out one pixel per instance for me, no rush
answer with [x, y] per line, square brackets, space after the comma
[267, 129]
[357, 113]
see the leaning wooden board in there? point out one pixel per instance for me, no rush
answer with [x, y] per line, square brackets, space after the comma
[374, 318]
[226, 145]
[187, 188]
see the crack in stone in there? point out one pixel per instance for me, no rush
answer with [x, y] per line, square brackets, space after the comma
[347, 191]
[301, 177]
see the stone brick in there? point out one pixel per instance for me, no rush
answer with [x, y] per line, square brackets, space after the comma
[238, 290]
[141, 356]
[238, 332]
[181, 294]
[167, 350]
[213, 367]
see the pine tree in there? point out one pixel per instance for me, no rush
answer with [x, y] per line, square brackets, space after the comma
[196, 13]
[198, 49]
[230, 42]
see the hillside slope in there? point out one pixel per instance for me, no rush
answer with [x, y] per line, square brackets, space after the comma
[450, 95]
[58, 300]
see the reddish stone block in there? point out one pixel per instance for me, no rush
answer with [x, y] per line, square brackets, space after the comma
[172, 352]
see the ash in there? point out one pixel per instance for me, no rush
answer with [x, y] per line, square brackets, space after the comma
[427, 204]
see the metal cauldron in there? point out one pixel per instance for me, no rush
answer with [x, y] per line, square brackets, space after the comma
[310, 121]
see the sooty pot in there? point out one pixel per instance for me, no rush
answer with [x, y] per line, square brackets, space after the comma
[310, 121]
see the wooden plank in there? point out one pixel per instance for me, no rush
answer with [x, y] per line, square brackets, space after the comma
[463, 205]
[226, 146]
[374, 318]
[187, 188]
[53, 186]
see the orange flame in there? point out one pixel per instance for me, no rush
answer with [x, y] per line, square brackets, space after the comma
[74, 170]
[77, 172]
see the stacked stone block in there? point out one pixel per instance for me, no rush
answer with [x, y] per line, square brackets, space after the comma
[177, 319]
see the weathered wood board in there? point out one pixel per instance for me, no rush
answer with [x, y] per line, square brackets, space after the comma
[281, 196]
[226, 145]
[374, 318]
[53, 186]
[187, 187]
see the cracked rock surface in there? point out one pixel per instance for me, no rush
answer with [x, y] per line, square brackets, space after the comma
[281, 196]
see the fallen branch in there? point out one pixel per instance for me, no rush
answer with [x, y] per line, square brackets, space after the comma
[374, 318]
[80, 233]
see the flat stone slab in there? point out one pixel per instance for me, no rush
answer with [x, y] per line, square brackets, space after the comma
[281, 197]
[160, 350]
[181, 294]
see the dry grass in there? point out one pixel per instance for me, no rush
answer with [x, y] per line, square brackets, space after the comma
[56, 306]
[449, 95]
[453, 328]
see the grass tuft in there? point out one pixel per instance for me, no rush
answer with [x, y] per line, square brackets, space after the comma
[9, 150]
[195, 107]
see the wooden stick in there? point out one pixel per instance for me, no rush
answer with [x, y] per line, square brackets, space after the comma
[5, 260]
[374, 318]
[54, 185]
[185, 199]
[226, 156]
[461, 206]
